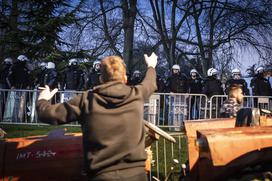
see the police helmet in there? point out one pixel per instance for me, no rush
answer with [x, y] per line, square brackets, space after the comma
[42, 64]
[260, 70]
[176, 67]
[136, 72]
[22, 58]
[212, 71]
[8, 61]
[73, 61]
[193, 71]
[95, 63]
[50, 65]
[235, 72]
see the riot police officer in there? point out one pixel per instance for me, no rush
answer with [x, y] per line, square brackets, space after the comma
[212, 86]
[19, 75]
[136, 78]
[161, 83]
[236, 80]
[195, 85]
[260, 85]
[93, 78]
[177, 82]
[4, 73]
[73, 76]
[40, 73]
[4, 84]
[50, 75]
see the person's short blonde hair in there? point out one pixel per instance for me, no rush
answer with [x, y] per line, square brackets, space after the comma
[113, 68]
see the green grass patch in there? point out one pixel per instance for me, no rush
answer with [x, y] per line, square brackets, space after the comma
[14, 131]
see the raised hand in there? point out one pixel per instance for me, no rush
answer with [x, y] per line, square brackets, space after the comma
[151, 60]
[46, 94]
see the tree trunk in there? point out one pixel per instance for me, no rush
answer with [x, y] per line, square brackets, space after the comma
[129, 15]
[15, 43]
[202, 50]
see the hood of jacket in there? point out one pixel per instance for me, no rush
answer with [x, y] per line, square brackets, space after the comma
[113, 92]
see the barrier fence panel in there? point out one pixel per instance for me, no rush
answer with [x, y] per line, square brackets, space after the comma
[262, 102]
[18, 107]
[168, 155]
[172, 109]
[216, 102]
[167, 109]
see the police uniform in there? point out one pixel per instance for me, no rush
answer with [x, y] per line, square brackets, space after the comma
[19, 76]
[93, 79]
[212, 86]
[195, 86]
[177, 83]
[73, 78]
[3, 76]
[50, 78]
[261, 86]
[135, 79]
[161, 84]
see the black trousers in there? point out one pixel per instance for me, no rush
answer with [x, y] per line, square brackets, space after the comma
[130, 174]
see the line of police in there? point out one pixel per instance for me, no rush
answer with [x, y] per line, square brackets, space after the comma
[17, 75]
[177, 82]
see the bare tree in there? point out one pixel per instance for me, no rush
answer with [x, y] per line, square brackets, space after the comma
[194, 29]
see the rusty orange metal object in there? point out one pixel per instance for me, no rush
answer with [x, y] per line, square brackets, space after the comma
[225, 145]
[42, 158]
[191, 128]
[230, 150]
[217, 149]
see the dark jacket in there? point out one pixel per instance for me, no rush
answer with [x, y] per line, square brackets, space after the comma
[177, 83]
[19, 76]
[161, 84]
[111, 117]
[212, 86]
[134, 80]
[195, 86]
[3, 77]
[93, 79]
[261, 86]
[50, 78]
[40, 74]
[73, 78]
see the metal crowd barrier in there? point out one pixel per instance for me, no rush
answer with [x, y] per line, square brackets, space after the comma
[162, 109]
[169, 109]
[167, 156]
[216, 101]
[18, 107]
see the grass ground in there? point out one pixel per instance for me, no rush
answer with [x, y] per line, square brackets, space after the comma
[14, 131]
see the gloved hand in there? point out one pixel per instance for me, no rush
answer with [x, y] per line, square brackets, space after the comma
[151, 60]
